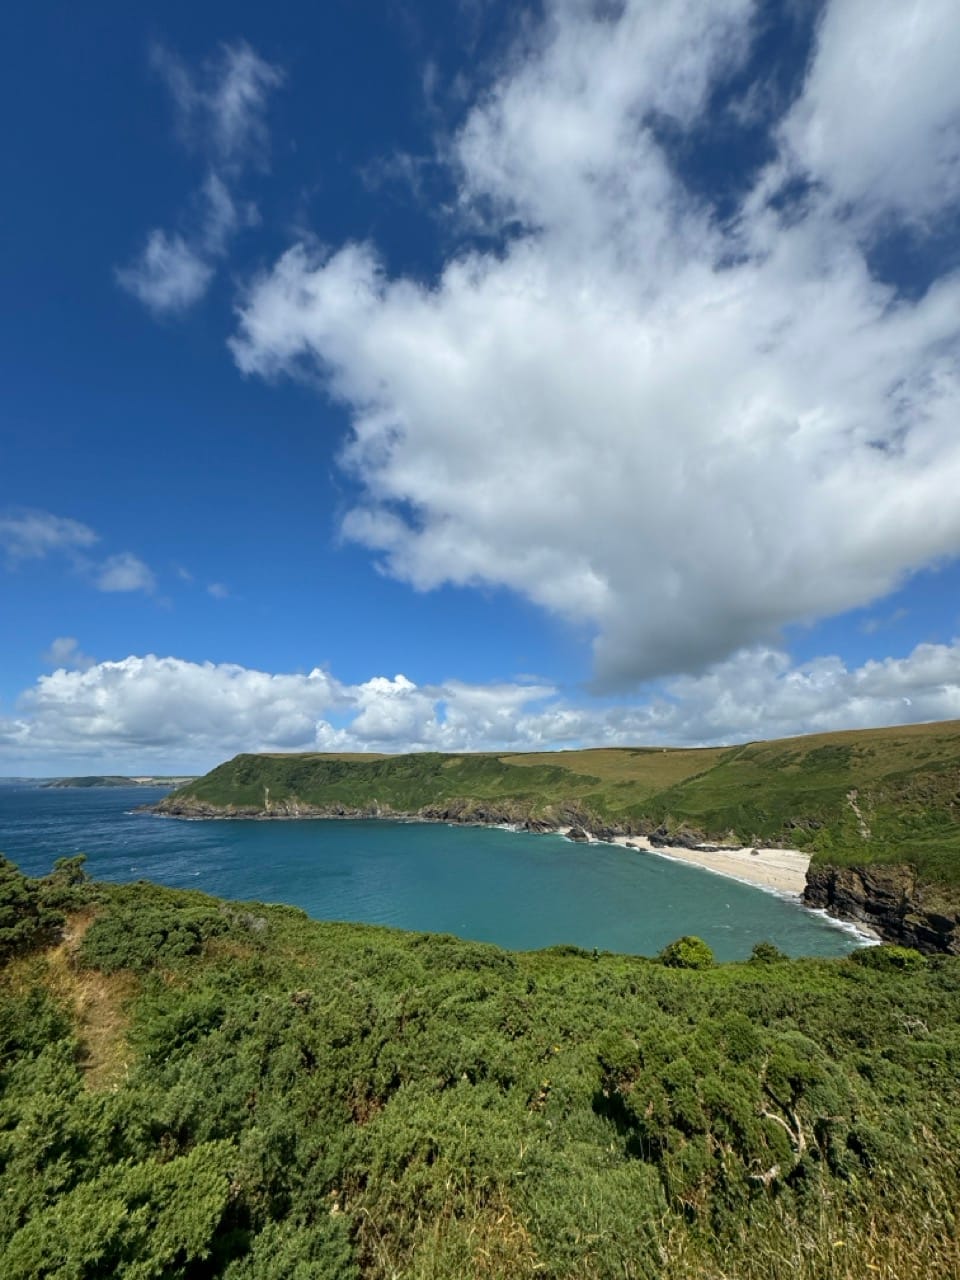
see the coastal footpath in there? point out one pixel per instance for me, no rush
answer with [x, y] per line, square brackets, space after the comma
[865, 824]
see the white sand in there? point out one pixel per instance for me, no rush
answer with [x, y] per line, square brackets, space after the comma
[784, 870]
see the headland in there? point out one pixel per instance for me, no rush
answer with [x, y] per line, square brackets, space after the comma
[865, 824]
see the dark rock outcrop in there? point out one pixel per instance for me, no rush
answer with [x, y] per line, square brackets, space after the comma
[661, 838]
[889, 900]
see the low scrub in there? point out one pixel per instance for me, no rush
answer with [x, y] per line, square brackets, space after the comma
[304, 1099]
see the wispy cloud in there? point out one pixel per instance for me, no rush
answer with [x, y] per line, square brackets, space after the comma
[168, 275]
[218, 590]
[220, 110]
[31, 535]
[65, 652]
[220, 105]
[871, 626]
[35, 535]
[124, 572]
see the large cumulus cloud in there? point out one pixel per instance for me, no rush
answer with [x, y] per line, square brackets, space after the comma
[682, 431]
[167, 714]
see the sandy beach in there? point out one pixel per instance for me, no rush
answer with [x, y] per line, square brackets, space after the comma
[784, 870]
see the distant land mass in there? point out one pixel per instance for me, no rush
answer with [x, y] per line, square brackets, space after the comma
[120, 780]
[878, 810]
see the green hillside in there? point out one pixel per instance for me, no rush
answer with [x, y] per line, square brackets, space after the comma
[866, 796]
[192, 1089]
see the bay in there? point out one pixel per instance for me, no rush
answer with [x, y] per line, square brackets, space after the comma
[518, 890]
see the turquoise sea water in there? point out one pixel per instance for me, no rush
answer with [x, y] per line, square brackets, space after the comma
[518, 890]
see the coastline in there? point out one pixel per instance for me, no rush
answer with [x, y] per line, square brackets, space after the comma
[782, 872]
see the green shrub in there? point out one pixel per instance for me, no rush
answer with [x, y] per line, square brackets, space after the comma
[131, 939]
[67, 887]
[687, 952]
[312, 1100]
[767, 953]
[25, 920]
[889, 958]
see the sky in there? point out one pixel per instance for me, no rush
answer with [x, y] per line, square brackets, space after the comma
[383, 375]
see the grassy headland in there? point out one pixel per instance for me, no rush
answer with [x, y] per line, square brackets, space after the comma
[878, 810]
[191, 1088]
[862, 797]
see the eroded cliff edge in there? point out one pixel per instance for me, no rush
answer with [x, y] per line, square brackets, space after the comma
[890, 900]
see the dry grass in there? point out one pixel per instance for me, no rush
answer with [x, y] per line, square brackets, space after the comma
[647, 771]
[941, 731]
[910, 1244]
[482, 1240]
[361, 756]
[97, 1001]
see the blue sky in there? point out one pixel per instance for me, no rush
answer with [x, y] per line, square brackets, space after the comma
[466, 376]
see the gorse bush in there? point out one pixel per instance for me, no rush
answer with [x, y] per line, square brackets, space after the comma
[888, 958]
[687, 952]
[26, 918]
[767, 953]
[133, 938]
[67, 887]
[307, 1100]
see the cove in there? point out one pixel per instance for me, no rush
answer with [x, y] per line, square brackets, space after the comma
[517, 890]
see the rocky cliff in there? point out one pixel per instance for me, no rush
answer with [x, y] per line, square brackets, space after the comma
[466, 811]
[888, 899]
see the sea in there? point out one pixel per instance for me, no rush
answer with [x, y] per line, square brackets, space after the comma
[516, 889]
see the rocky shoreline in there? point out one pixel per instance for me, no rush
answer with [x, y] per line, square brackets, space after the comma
[884, 900]
[889, 900]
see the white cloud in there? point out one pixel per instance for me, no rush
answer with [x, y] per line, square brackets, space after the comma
[65, 652]
[218, 590]
[168, 276]
[220, 217]
[31, 535]
[681, 433]
[145, 709]
[167, 713]
[221, 111]
[221, 105]
[124, 572]
[879, 119]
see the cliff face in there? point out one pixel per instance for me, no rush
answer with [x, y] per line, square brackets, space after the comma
[889, 900]
[466, 811]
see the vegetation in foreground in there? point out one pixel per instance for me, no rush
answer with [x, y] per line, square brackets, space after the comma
[193, 1088]
[866, 796]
